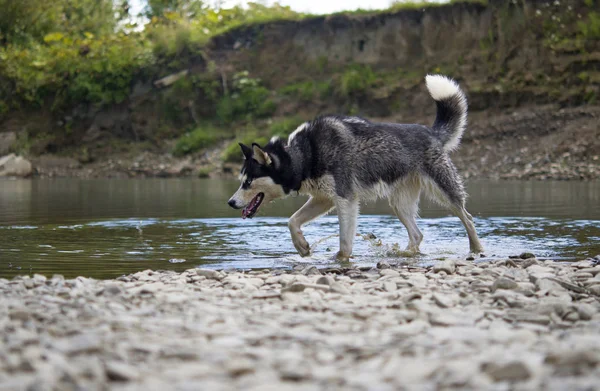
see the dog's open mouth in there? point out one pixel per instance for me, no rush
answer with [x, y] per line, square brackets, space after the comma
[250, 210]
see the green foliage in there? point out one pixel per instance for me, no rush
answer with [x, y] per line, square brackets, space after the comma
[26, 21]
[590, 29]
[248, 100]
[233, 153]
[356, 80]
[73, 70]
[283, 127]
[308, 90]
[65, 52]
[197, 139]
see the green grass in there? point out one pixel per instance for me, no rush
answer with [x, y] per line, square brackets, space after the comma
[233, 153]
[590, 29]
[199, 138]
[281, 127]
[357, 80]
[308, 90]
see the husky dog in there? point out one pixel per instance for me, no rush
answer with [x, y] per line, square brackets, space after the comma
[340, 161]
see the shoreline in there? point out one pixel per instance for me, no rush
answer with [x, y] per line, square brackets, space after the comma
[526, 143]
[511, 323]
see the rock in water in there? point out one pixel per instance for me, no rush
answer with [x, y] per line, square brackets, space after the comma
[13, 165]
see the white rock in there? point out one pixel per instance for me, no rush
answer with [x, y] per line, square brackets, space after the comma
[13, 165]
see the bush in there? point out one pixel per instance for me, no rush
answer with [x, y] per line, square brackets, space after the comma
[284, 127]
[308, 90]
[591, 28]
[233, 153]
[197, 139]
[357, 80]
[248, 100]
[74, 70]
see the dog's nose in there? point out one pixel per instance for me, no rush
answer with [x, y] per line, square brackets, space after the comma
[232, 203]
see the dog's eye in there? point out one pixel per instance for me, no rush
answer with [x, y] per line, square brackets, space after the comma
[247, 182]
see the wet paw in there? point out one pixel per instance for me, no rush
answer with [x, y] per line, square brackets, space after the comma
[475, 254]
[342, 257]
[301, 245]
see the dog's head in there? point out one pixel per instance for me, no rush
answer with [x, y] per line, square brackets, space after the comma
[261, 178]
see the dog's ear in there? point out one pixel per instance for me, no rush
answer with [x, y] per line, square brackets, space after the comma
[246, 150]
[260, 156]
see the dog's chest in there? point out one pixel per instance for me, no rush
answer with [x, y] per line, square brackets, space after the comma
[320, 187]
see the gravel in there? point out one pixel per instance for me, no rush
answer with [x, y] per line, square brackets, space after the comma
[510, 324]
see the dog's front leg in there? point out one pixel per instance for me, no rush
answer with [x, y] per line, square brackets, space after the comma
[313, 208]
[347, 210]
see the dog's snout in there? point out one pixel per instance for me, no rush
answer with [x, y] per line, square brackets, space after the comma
[231, 203]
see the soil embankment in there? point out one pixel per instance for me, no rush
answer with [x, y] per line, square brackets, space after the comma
[531, 70]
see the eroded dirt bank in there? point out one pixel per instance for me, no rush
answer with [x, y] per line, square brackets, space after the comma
[541, 142]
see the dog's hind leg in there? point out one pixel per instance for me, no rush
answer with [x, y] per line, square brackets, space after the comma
[447, 189]
[405, 204]
[347, 210]
[313, 208]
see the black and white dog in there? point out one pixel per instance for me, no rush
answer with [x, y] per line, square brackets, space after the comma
[340, 161]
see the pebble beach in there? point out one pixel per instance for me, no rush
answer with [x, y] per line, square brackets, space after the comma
[509, 324]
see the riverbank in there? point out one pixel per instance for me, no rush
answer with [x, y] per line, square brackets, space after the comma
[541, 143]
[514, 323]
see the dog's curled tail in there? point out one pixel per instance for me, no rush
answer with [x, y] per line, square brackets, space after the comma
[451, 119]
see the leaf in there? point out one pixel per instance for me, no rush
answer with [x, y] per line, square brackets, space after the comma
[38, 64]
[88, 35]
[53, 37]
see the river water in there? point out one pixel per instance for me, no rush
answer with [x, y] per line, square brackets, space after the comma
[106, 228]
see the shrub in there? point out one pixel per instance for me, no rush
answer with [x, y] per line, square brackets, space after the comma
[357, 80]
[248, 100]
[233, 154]
[308, 90]
[591, 28]
[284, 127]
[197, 139]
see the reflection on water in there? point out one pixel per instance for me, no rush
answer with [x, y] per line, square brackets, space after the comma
[105, 228]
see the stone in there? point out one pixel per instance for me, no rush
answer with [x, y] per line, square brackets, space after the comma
[324, 280]
[526, 255]
[339, 288]
[112, 289]
[445, 266]
[546, 284]
[7, 142]
[240, 367]
[573, 362]
[383, 265]
[310, 271]
[13, 165]
[82, 343]
[594, 290]
[504, 283]
[389, 286]
[389, 272]
[209, 273]
[511, 371]
[443, 301]
[119, 371]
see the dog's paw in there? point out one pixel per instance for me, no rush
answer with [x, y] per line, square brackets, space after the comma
[301, 245]
[475, 254]
[342, 257]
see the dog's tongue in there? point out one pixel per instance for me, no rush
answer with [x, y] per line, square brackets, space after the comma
[249, 208]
